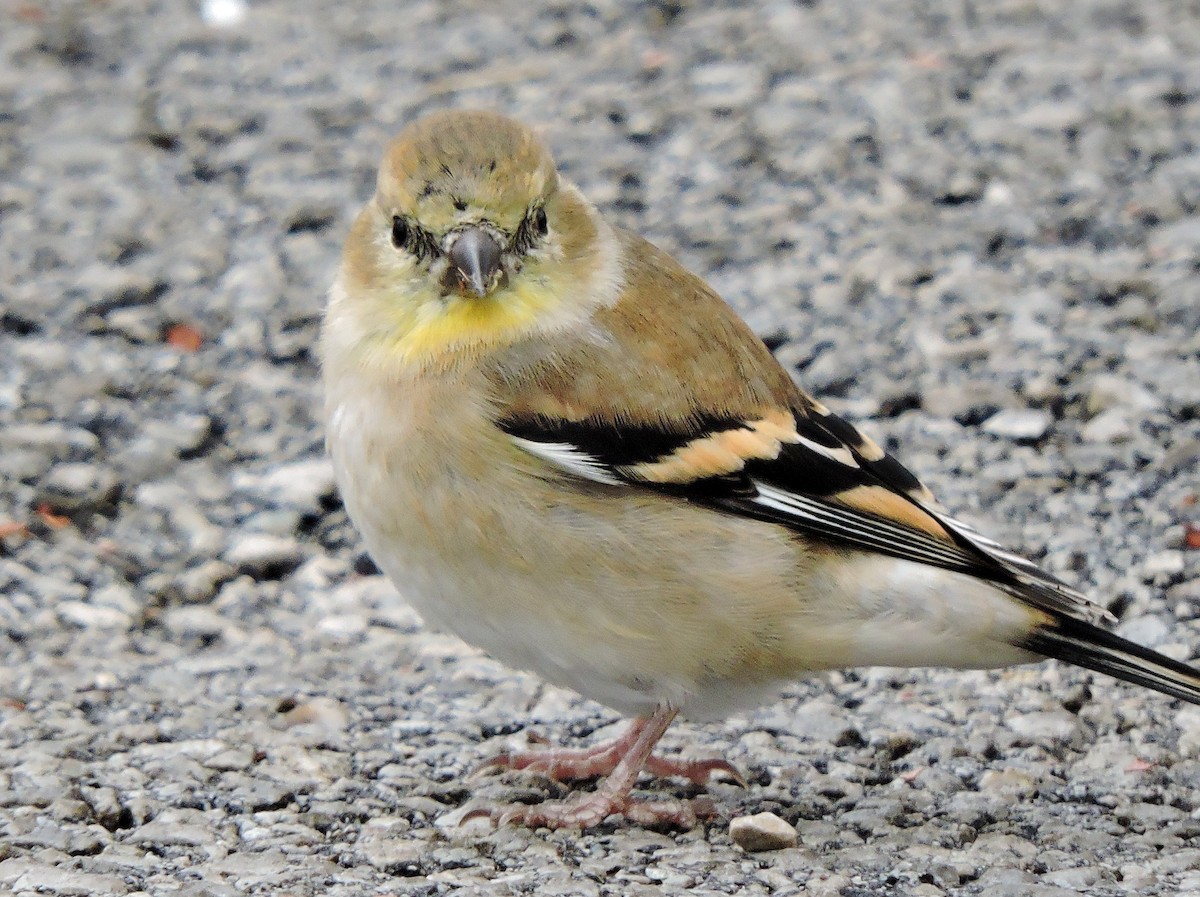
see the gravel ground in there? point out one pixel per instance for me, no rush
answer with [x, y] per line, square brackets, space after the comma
[207, 691]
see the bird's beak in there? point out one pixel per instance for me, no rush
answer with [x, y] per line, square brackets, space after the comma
[474, 262]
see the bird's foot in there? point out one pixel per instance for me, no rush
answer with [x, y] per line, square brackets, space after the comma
[567, 765]
[589, 810]
[620, 761]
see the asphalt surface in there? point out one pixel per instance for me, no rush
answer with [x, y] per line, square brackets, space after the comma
[971, 228]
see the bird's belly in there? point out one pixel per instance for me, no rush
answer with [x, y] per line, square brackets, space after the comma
[625, 598]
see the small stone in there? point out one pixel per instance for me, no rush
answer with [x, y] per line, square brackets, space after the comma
[1108, 391]
[976, 401]
[1043, 389]
[231, 760]
[1019, 424]
[57, 440]
[265, 556]
[1183, 454]
[1046, 725]
[90, 616]
[76, 486]
[200, 583]
[1148, 630]
[345, 629]
[68, 882]
[223, 13]
[827, 884]
[42, 833]
[381, 843]
[114, 288]
[118, 597]
[763, 831]
[104, 803]
[21, 464]
[303, 485]
[183, 434]
[1107, 427]
[327, 713]
[726, 85]
[1180, 240]
[1008, 782]
[194, 621]
[818, 719]
[1163, 564]
[167, 832]
[1137, 879]
[926, 890]
[1186, 591]
[1080, 878]
[138, 324]
[248, 794]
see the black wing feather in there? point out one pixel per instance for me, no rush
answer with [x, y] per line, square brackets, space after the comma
[798, 490]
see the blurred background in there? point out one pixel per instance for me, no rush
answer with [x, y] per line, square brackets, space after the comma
[971, 228]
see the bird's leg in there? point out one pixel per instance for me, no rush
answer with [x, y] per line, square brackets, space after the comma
[566, 764]
[631, 752]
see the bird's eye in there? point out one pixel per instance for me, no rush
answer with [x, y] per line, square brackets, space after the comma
[399, 231]
[539, 222]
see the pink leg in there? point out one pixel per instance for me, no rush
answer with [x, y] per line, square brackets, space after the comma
[631, 753]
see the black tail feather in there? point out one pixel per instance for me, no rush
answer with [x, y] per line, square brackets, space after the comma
[1089, 646]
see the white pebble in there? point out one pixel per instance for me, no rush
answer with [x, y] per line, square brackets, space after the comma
[763, 831]
[1019, 424]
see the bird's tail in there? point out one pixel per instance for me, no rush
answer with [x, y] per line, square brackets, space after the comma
[1086, 645]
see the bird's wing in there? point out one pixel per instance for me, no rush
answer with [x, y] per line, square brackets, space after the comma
[804, 468]
[672, 392]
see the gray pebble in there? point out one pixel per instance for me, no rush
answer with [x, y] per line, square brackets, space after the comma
[168, 831]
[1048, 725]
[264, 556]
[137, 324]
[90, 616]
[1109, 391]
[1019, 424]
[200, 583]
[1082, 879]
[78, 486]
[195, 621]
[975, 401]
[58, 441]
[384, 845]
[1109, 426]
[302, 484]
[1149, 630]
[727, 85]
[1163, 565]
[1014, 784]
[67, 882]
[819, 720]
[235, 758]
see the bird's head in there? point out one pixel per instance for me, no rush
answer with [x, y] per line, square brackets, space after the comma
[470, 242]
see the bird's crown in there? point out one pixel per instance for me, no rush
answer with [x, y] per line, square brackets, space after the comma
[456, 166]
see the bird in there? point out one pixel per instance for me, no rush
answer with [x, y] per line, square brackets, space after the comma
[567, 449]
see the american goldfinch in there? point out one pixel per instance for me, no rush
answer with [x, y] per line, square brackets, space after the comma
[567, 449]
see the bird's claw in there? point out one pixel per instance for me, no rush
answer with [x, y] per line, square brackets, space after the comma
[698, 772]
